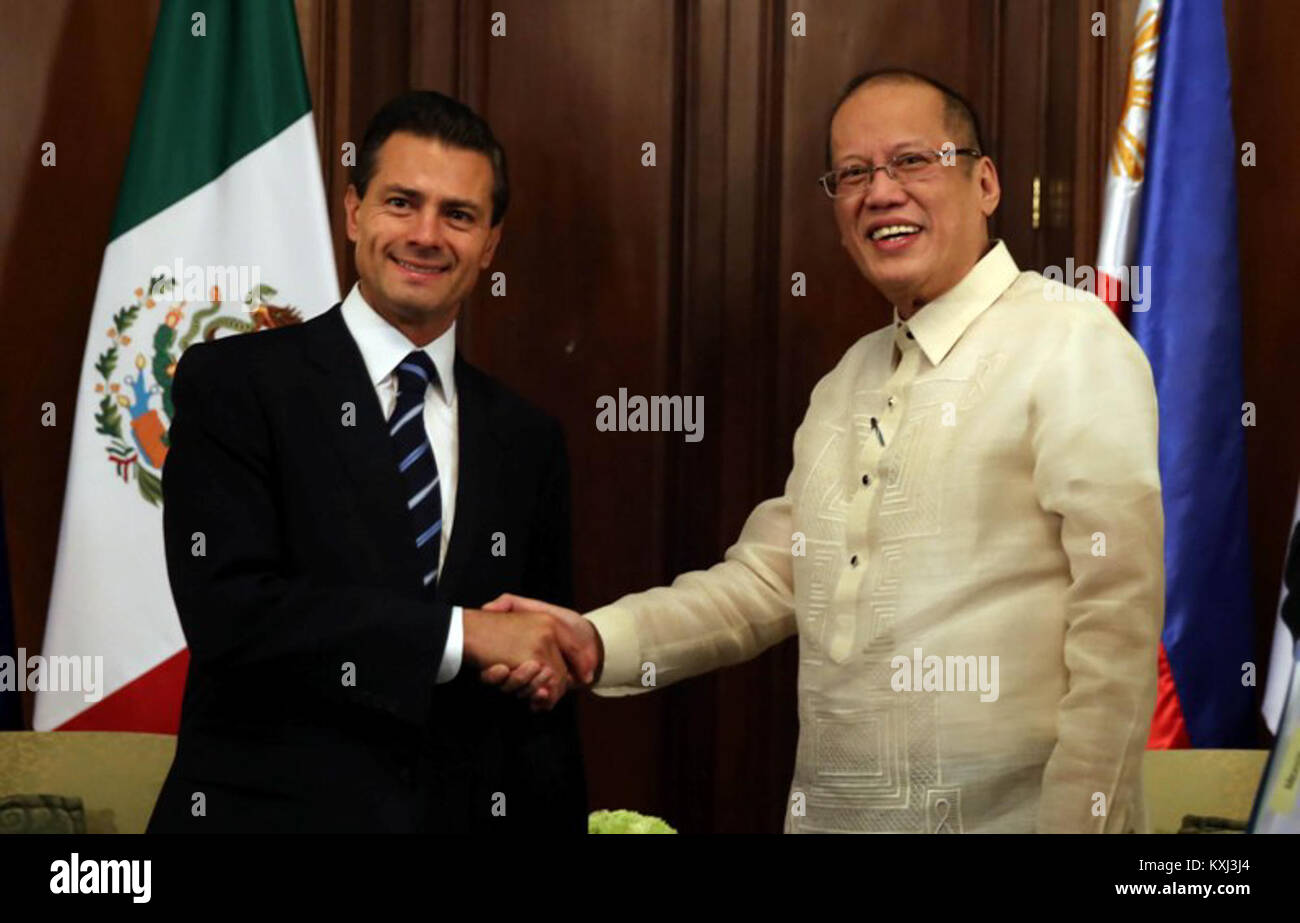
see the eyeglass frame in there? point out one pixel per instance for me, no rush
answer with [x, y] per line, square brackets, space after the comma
[890, 165]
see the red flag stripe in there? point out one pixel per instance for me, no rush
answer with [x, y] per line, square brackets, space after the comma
[150, 703]
[1168, 729]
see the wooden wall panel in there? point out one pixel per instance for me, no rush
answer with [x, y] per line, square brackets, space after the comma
[1266, 111]
[733, 731]
[437, 36]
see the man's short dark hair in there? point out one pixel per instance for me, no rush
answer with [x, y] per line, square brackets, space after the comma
[427, 114]
[959, 114]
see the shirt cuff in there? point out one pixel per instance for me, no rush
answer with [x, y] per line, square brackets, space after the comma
[453, 653]
[621, 674]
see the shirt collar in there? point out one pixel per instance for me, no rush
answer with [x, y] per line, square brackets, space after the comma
[937, 326]
[383, 346]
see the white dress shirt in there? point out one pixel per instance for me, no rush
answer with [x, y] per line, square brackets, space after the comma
[977, 482]
[383, 347]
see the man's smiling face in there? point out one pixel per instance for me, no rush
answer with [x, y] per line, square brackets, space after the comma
[948, 208]
[423, 232]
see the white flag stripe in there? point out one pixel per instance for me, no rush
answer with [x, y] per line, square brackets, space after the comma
[1123, 196]
[1282, 660]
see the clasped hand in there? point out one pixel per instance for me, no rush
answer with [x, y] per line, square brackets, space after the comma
[532, 649]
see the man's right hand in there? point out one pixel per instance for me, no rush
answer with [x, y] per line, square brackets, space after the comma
[581, 644]
[526, 641]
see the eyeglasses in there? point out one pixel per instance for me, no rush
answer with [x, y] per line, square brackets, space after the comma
[904, 168]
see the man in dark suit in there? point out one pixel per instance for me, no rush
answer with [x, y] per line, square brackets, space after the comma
[340, 496]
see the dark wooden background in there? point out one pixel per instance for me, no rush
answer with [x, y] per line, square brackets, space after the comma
[672, 279]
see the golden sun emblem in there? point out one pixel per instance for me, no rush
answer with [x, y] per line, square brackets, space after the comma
[1130, 153]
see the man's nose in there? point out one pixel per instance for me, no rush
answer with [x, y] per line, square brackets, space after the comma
[884, 192]
[427, 231]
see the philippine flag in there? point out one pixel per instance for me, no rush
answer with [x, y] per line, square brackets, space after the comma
[1171, 209]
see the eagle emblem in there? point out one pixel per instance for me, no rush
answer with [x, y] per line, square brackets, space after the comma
[135, 408]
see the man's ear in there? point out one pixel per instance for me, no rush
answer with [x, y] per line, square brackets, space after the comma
[489, 251]
[990, 188]
[351, 204]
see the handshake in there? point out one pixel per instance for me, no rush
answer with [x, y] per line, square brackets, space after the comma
[532, 649]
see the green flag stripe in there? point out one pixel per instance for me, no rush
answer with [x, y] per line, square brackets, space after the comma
[209, 100]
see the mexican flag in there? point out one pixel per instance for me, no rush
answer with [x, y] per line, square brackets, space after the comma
[220, 230]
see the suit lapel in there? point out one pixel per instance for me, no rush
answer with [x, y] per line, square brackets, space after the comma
[363, 448]
[480, 474]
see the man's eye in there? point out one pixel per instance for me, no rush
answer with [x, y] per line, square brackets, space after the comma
[912, 160]
[397, 201]
[849, 174]
[463, 217]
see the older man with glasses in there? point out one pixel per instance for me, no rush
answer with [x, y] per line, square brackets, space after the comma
[969, 545]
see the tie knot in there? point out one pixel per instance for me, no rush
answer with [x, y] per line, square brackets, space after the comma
[415, 373]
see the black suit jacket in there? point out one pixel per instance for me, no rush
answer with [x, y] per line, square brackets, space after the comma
[310, 703]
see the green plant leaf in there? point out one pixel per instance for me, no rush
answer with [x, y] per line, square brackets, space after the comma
[150, 485]
[124, 318]
[107, 419]
[106, 362]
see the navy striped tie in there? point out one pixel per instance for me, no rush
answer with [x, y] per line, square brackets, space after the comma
[415, 461]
